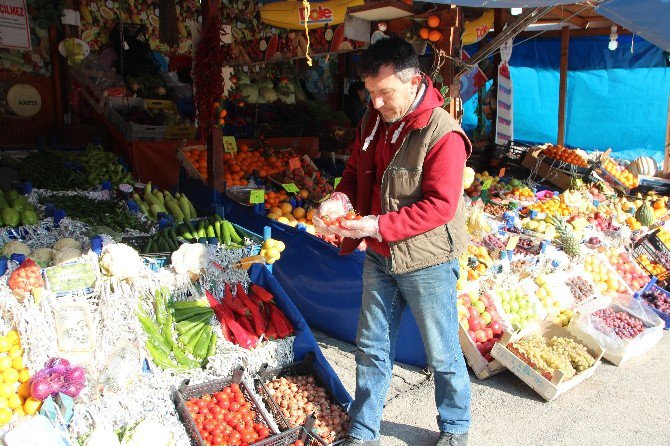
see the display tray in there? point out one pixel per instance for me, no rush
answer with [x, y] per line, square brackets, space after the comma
[186, 392]
[547, 389]
[651, 286]
[563, 166]
[479, 365]
[289, 437]
[304, 367]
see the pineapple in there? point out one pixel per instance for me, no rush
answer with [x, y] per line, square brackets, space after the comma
[645, 214]
[566, 236]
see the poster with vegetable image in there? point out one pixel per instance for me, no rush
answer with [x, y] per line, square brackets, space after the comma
[33, 61]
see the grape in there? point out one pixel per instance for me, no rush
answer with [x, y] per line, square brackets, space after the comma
[657, 299]
[624, 325]
[549, 356]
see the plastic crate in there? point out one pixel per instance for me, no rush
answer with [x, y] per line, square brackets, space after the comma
[651, 286]
[289, 437]
[304, 367]
[185, 131]
[132, 131]
[186, 392]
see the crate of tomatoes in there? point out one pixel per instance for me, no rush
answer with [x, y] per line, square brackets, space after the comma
[300, 436]
[295, 393]
[222, 411]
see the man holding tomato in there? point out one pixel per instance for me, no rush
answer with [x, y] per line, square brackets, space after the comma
[404, 177]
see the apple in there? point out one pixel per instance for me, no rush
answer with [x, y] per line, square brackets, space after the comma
[486, 316]
[465, 299]
[472, 311]
[480, 336]
[466, 324]
[479, 305]
[489, 333]
[475, 323]
[497, 328]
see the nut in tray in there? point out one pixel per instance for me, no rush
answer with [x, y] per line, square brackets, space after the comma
[186, 392]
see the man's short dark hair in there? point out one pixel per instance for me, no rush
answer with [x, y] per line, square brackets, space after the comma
[392, 51]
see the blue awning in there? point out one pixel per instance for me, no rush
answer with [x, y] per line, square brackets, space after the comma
[648, 18]
[506, 3]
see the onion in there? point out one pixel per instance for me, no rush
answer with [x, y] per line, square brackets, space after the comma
[75, 375]
[40, 388]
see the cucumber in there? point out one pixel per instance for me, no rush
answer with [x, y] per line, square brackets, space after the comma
[202, 346]
[194, 340]
[201, 303]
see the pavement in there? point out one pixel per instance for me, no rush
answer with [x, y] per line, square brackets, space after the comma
[626, 405]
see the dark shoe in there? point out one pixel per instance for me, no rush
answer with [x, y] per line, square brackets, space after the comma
[351, 441]
[449, 439]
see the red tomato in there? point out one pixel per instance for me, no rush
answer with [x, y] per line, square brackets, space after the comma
[234, 407]
[240, 426]
[206, 398]
[227, 391]
[201, 403]
[263, 433]
[228, 418]
[248, 418]
[217, 440]
[200, 418]
[235, 437]
[224, 404]
[351, 215]
[247, 405]
[248, 437]
[298, 443]
[219, 417]
[240, 400]
[214, 409]
[235, 387]
[220, 395]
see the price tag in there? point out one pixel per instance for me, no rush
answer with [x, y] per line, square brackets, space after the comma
[502, 172]
[257, 196]
[71, 277]
[486, 185]
[291, 187]
[229, 144]
[512, 242]
[294, 163]
[336, 182]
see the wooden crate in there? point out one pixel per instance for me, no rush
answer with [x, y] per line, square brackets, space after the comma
[548, 390]
[172, 132]
[480, 366]
[555, 176]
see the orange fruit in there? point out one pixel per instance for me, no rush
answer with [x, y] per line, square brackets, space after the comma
[423, 33]
[304, 194]
[286, 208]
[434, 35]
[310, 214]
[433, 21]
[298, 213]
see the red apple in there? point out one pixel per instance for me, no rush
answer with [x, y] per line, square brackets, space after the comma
[472, 311]
[474, 323]
[489, 333]
[471, 335]
[465, 299]
[480, 336]
[497, 328]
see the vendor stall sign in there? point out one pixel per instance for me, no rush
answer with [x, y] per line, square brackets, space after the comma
[229, 144]
[14, 29]
[292, 15]
[257, 196]
[505, 121]
[24, 100]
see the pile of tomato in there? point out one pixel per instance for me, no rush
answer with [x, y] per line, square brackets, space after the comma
[225, 418]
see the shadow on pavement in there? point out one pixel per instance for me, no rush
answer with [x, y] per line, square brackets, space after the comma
[506, 382]
[409, 435]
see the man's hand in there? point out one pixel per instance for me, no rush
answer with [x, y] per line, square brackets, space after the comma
[335, 207]
[367, 226]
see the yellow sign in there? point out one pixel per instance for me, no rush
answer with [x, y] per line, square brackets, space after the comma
[475, 30]
[229, 144]
[24, 100]
[291, 14]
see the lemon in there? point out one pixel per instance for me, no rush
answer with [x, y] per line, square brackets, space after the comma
[10, 376]
[5, 345]
[280, 245]
[15, 352]
[17, 364]
[6, 390]
[13, 337]
[31, 406]
[19, 411]
[5, 415]
[4, 403]
[5, 363]
[14, 402]
[24, 376]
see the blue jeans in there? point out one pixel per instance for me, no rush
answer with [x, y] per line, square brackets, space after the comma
[430, 294]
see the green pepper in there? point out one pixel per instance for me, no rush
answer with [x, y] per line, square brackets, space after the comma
[11, 217]
[201, 348]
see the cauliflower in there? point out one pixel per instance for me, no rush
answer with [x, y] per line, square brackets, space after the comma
[148, 432]
[66, 255]
[190, 258]
[15, 247]
[43, 256]
[120, 261]
[66, 243]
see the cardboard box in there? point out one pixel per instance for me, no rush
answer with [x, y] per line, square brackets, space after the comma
[188, 165]
[630, 348]
[480, 366]
[548, 390]
[558, 177]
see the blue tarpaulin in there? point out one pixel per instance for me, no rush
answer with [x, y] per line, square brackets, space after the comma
[325, 286]
[648, 18]
[305, 342]
[615, 99]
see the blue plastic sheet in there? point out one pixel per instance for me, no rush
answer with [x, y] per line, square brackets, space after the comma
[615, 99]
[305, 342]
[648, 18]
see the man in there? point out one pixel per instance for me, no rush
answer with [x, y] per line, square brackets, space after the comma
[405, 176]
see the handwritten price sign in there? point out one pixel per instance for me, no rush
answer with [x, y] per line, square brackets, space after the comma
[229, 144]
[257, 196]
[291, 188]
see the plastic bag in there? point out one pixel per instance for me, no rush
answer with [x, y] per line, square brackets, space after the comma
[587, 322]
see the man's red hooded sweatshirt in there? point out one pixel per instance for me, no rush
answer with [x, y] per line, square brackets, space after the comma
[442, 182]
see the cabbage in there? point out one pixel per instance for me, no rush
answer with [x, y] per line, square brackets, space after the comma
[265, 84]
[66, 243]
[15, 247]
[268, 95]
[250, 91]
[43, 256]
[66, 255]
[243, 78]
